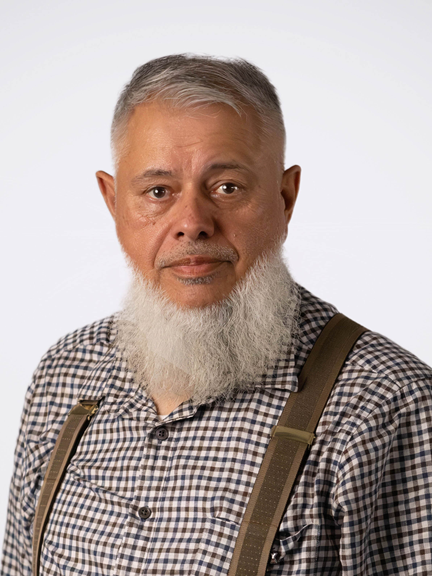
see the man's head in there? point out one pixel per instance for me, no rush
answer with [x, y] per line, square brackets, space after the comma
[199, 192]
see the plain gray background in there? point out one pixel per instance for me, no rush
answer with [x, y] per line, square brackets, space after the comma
[355, 83]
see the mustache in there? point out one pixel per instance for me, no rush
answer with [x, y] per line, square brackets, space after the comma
[198, 248]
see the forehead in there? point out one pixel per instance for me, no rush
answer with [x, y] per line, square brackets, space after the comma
[156, 131]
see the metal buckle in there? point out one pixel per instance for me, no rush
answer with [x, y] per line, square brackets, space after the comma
[92, 406]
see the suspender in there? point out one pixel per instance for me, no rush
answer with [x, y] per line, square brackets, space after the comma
[288, 446]
[68, 439]
[280, 465]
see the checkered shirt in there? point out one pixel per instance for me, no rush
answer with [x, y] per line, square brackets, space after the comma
[138, 501]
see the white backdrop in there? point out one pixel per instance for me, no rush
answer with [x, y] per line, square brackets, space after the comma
[355, 83]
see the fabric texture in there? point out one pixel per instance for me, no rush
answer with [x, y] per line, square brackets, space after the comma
[136, 500]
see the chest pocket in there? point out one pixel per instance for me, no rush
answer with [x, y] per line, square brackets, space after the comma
[299, 547]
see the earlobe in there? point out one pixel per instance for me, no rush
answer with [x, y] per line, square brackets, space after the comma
[290, 188]
[107, 187]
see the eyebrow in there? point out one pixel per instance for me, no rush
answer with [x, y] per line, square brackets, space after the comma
[151, 172]
[228, 166]
[157, 172]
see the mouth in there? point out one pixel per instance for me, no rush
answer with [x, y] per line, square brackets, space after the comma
[196, 266]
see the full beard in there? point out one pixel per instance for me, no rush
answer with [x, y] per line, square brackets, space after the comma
[214, 352]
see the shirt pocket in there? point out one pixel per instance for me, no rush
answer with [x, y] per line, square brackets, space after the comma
[84, 529]
[297, 549]
[218, 537]
[220, 533]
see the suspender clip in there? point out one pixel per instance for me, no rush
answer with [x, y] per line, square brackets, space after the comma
[91, 406]
[293, 434]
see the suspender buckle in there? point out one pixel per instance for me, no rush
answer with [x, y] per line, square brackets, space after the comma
[91, 406]
[293, 434]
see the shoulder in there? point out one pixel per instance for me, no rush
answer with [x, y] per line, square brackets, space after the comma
[63, 371]
[381, 387]
[382, 357]
[85, 346]
[385, 376]
[374, 356]
[379, 378]
[90, 341]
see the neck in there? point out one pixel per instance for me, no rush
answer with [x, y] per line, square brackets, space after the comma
[166, 403]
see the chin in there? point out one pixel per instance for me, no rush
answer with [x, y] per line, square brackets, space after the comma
[198, 295]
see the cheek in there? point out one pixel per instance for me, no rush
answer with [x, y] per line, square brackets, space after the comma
[132, 215]
[138, 235]
[259, 230]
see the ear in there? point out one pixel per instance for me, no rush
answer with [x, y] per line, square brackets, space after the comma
[107, 187]
[289, 189]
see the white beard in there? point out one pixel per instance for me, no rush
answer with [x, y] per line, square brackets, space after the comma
[212, 352]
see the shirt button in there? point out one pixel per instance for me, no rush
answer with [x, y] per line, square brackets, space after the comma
[161, 433]
[144, 512]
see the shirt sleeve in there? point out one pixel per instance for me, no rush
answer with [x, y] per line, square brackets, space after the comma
[384, 492]
[16, 558]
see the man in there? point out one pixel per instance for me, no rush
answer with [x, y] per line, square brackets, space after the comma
[196, 369]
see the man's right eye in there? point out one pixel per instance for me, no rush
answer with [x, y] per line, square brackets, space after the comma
[158, 192]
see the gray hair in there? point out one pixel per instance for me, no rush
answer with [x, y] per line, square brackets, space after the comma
[185, 80]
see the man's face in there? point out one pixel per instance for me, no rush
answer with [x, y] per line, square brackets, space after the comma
[198, 196]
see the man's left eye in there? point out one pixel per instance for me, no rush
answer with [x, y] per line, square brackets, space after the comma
[228, 188]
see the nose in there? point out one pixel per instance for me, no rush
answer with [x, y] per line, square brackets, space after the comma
[194, 217]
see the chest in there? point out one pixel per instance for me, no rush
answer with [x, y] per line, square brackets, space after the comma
[141, 496]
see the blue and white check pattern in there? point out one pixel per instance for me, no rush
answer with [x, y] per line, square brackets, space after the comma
[362, 506]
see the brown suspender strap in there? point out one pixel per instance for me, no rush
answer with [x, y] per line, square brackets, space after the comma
[67, 441]
[289, 444]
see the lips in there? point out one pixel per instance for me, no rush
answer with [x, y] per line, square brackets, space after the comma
[195, 266]
[194, 261]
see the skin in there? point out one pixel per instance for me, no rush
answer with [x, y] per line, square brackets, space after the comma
[174, 186]
[199, 194]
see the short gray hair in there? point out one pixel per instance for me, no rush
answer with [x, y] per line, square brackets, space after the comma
[186, 80]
